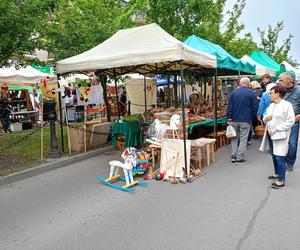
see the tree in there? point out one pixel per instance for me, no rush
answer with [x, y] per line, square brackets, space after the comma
[19, 25]
[232, 25]
[182, 18]
[269, 43]
[76, 26]
[242, 46]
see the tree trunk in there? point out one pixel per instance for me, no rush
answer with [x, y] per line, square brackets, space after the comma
[103, 81]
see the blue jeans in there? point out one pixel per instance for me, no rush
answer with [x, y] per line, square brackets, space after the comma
[278, 162]
[293, 145]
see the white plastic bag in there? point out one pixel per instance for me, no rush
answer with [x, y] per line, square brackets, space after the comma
[230, 132]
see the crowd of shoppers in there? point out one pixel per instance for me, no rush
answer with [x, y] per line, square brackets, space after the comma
[277, 105]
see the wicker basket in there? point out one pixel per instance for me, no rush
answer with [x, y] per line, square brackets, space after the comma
[259, 129]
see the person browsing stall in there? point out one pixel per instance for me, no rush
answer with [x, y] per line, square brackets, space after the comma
[280, 118]
[266, 80]
[242, 108]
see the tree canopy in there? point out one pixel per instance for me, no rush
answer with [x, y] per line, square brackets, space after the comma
[68, 27]
[19, 25]
[269, 43]
[76, 26]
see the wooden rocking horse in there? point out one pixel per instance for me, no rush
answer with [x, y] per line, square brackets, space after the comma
[130, 161]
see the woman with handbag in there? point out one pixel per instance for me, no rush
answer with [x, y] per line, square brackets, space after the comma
[279, 119]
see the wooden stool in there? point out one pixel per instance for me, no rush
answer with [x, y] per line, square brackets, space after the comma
[207, 146]
[198, 156]
[221, 138]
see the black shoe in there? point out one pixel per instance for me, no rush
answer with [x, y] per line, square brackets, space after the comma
[240, 162]
[289, 169]
[272, 177]
[233, 158]
[276, 186]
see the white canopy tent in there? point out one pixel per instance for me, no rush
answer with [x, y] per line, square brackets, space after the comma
[27, 75]
[260, 69]
[143, 49]
[290, 67]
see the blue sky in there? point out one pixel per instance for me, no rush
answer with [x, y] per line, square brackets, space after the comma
[260, 13]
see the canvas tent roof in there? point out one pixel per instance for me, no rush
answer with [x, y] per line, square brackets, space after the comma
[260, 69]
[144, 49]
[263, 59]
[224, 59]
[292, 68]
[45, 69]
[27, 75]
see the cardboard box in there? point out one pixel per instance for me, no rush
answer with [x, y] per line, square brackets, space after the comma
[77, 139]
[99, 134]
[17, 126]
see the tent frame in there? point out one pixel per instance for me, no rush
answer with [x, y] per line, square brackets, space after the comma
[147, 69]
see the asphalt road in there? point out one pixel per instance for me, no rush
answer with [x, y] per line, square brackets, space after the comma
[231, 207]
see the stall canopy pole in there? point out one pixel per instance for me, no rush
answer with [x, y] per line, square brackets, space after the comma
[145, 93]
[183, 117]
[118, 105]
[216, 103]
[60, 115]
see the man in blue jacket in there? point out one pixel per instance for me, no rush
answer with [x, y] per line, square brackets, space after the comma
[242, 108]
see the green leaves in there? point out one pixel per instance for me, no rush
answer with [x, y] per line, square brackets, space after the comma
[77, 26]
[19, 23]
[269, 43]
[69, 27]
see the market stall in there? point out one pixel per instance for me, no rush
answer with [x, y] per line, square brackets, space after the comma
[202, 100]
[21, 76]
[260, 69]
[265, 60]
[22, 94]
[145, 50]
[226, 63]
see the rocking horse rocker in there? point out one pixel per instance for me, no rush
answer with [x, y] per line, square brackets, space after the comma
[130, 161]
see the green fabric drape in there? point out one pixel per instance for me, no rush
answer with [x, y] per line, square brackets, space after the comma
[131, 130]
[208, 122]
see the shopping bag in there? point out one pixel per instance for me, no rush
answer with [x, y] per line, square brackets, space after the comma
[230, 131]
[279, 135]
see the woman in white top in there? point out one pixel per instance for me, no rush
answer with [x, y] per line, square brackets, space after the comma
[279, 118]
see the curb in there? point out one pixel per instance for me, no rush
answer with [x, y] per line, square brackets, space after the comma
[5, 180]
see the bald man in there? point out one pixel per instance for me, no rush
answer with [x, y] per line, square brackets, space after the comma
[293, 96]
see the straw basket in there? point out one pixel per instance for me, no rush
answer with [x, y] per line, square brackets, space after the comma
[259, 129]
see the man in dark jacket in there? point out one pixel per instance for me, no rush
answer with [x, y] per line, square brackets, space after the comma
[293, 96]
[242, 108]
